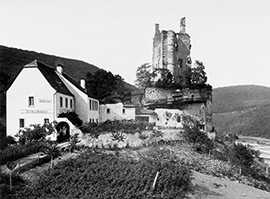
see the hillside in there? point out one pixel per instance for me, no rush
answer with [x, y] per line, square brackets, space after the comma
[13, 59]
[242, 109]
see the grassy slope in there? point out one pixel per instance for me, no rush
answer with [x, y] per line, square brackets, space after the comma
[242, 109]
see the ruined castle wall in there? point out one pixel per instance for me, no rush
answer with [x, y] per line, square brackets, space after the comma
[157, 51]
[171, 51]
[153, 94]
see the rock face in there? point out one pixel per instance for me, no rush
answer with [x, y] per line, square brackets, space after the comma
[195, 102]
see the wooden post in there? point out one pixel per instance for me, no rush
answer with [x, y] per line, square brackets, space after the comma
[267, 170]
[10, 180]
[155, 180]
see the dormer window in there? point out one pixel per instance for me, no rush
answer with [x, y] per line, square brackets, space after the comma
[31, 101]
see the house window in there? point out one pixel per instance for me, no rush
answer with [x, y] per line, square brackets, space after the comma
[31, 101]
[90, 104]
[66, 102]
[124, 111]
[70, 103]
[95, 105]
[61, 101]
[178, 119]
[46, 121]
[108, 110]
[21, 121]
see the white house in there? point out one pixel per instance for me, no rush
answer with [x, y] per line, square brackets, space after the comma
[117, 111]
[40, 93]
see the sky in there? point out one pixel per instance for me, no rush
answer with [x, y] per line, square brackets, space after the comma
[231, 37]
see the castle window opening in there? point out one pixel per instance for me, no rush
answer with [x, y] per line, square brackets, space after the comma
[31, 101]
[46, 121]
[108, 110]
[21, 123]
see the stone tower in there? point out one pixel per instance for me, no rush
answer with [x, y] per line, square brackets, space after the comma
[171, 50]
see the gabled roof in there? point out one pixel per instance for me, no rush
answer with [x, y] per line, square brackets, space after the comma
[50, 74]
[74, 82]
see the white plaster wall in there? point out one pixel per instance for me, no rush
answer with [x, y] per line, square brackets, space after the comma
[168, 118]
[30, 82]
[116, 112]
[63, 109]
[81, 101]
[93, 114]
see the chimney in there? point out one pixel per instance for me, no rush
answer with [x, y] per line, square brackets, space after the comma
[156, 28]
[183, 25]
[59, 68]
[82, 82]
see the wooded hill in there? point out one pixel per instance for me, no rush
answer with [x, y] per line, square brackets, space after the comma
[244, 110]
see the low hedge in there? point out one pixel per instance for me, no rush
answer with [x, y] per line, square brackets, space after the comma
[101, 176]
[15, 152]
[126, 126]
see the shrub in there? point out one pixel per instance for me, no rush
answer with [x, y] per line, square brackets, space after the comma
[5, 192]
[242, 156]
[199, 139]
[106, 176]
[15, 152]
[35, 133]
[72, 117]
[125, 126]
[74, 140]
[6, 141]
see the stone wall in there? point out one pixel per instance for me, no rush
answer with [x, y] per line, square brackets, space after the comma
[195, 102]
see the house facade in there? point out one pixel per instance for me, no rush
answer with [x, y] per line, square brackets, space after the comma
[41, 92]
[117, 111]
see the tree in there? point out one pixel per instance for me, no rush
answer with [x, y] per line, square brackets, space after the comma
[165, 78]
[144, 76]
[103, 84]
[74, 140]
[198, 75]
[51, 150]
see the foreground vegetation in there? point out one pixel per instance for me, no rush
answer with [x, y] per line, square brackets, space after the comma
[107, 176]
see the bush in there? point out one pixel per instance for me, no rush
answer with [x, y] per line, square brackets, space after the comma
[125, 126]
[242, 156]
[6, 141]
[192, 134]
[72, 117]
[35, 133]
[5, 192]
[15, 152]
[106, 176]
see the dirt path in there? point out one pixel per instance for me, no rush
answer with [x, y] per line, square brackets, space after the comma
[210, 187]
[34, 174]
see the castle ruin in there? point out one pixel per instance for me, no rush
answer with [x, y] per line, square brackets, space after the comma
[171, 52]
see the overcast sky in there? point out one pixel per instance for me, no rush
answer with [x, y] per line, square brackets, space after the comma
[231, 37]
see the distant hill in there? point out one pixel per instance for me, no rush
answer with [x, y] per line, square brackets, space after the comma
[242, 109]
[13, 59]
